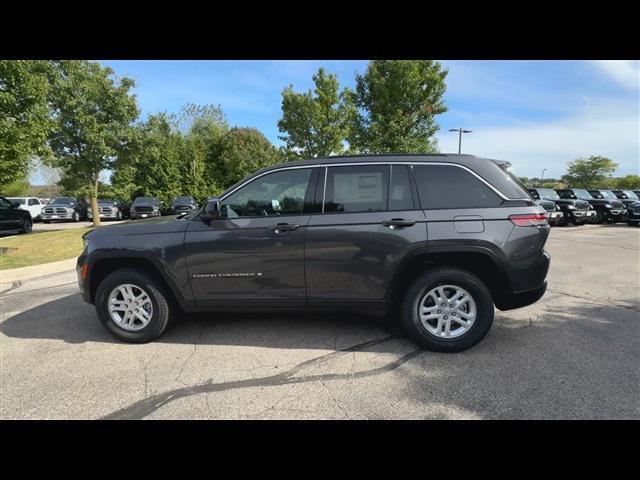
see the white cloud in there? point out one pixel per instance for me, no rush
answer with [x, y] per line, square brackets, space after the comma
[625, 72]
[607, 128]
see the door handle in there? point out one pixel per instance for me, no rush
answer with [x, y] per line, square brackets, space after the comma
[398, 222]
[283, 227]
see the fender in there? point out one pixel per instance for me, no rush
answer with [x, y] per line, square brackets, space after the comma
[180, 289]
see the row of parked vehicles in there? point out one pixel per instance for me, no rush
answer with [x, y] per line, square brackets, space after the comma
[566, 206]
[75, 209]
[578, 206]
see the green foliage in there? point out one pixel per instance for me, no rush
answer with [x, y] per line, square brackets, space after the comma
[314, 122]
[24, 116]
[628, 182]
[592, 172]
[17, 188]
[169, 156]
[243, 151]
[92, 113]
[394, 106]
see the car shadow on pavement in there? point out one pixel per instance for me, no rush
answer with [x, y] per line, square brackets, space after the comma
[71, 320]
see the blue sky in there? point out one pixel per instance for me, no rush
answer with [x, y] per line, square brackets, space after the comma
[536, 114]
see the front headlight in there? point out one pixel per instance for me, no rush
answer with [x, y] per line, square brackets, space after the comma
[571, 207]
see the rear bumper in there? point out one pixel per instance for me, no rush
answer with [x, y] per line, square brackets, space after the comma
[521, 299]
[136, 215]
[527, 284]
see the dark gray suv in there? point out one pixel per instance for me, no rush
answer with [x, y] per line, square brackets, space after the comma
[438, 239]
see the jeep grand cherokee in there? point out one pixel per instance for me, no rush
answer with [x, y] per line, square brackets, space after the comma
[439, 239]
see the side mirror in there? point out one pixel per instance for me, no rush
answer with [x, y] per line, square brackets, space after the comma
[212, 210]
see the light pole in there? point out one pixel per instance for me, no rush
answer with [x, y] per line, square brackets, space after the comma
[460, 132]
[542, 176]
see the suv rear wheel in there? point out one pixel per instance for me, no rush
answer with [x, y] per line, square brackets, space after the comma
[447, 309]
[132, 306]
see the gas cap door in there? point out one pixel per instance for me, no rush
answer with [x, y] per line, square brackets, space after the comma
[468, 224]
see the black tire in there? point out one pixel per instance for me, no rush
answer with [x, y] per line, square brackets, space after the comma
[119, 215]
[76, 217]
[447, 276]
[633, 224]
[46, 222]
[159, 300]
[27, 226]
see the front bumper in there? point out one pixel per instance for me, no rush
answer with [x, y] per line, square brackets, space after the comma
[581, 216]
[135, 215]
[555, 217]
[57, 216]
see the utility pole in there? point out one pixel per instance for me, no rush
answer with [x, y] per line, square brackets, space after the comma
[542, 176]
[460, 132]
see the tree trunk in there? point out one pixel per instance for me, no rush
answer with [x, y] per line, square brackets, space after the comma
[94, 204]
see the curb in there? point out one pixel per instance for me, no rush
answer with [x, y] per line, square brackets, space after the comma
[36, 271]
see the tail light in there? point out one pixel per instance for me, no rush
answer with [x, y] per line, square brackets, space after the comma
[529, 219]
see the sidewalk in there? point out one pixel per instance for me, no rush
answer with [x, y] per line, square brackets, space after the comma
[34, 271]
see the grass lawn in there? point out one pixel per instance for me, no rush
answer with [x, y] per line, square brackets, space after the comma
[42, 247]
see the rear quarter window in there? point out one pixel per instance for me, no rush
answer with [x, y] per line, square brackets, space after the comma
[446, 186]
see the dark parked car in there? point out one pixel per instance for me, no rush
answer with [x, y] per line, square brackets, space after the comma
[65, 208]
[633, 214]
[109, 209]
[574, 211]
[606, 210]
[183, 205]
[628, 197]
[439, 239]
[615, 209]
[143, 207]
[12, 217]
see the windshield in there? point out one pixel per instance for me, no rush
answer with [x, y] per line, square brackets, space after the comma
[21, 201]
[603, 194]
[184, 200]
[106, 202]
[62, 201]
[583, 194]
[548, 193]
[145, 200]
[630, 194]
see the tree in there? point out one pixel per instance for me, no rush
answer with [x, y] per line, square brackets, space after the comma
[149, 164]
[93, 113]
[394, 106]
[628, 182]
[205, 127]
[24, 116]
[314, 122]
[592, 172]
[242, 151]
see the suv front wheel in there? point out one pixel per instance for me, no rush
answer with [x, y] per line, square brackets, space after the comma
[132, 306]
[447, 309]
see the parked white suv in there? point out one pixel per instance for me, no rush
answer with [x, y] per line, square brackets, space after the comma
[32, 204]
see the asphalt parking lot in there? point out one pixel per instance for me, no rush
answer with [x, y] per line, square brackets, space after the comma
[573, 355]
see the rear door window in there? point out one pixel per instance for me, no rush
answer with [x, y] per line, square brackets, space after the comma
[352, 189]
[447, 186]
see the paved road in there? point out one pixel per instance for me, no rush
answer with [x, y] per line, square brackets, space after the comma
[575, 354]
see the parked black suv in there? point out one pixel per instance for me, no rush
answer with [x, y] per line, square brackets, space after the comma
[439, 238]
[606, 210]
[144, 207]
[614, 208]
[628, 197]
[574, 211]
[12, 217]
[183, 205]
[65, 208]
